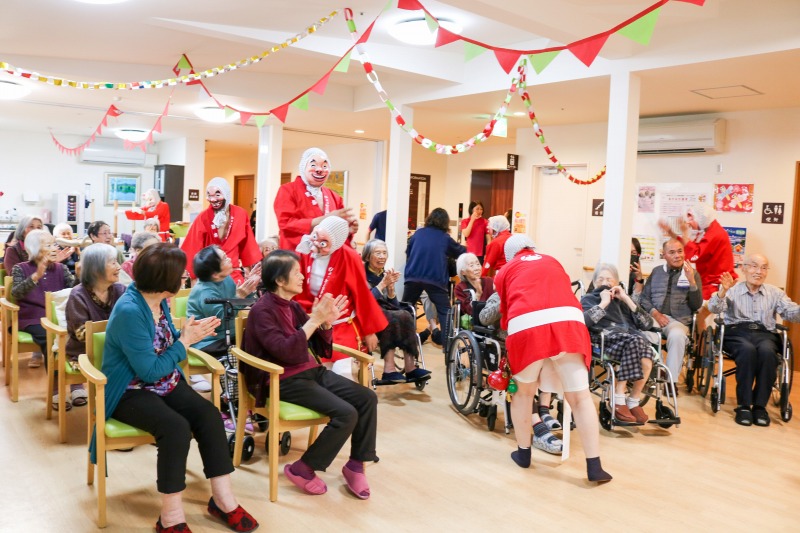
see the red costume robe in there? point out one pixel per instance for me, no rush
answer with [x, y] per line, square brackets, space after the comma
[295, 208]
[495, 254]
[712, 256]
[161, 211]
[345, 276]
[240, 244]
[540, 311]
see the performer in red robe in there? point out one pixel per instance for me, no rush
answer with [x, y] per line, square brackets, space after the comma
[227, 226]
[545, 323]
[303, 203]
[495, 255]
[330, 266]
[152, 207]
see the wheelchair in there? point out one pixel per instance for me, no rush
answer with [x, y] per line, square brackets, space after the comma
[712, 374]
[399, 358]
[472, 352]
[660, 385]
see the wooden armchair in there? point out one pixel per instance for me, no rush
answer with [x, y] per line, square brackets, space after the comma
[14, 340]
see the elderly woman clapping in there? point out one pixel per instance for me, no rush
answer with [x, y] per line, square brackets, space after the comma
[473, 287]
[17, 253]
[42, 273]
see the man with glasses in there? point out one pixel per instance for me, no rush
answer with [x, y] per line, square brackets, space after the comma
[749, 309]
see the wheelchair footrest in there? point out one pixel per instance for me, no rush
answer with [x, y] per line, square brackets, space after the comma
[622, 423]
[675, 420]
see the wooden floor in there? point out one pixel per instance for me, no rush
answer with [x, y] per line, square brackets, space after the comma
[438, 471]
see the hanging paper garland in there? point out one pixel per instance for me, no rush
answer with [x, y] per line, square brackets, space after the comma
[158, 84]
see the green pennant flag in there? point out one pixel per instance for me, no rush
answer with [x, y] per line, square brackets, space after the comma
[471, 51]
[343, 65]
[229, 112]
[432, 24]
[301, 103]
[260, 120]
[641, 30]
[539, 62]
[184, 63]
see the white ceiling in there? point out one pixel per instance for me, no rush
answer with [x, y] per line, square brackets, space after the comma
[724, 43]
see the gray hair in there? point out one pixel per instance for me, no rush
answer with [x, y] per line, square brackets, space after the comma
[33, 241]
[269, 241]
[140, 239]
[93, 262]
[24, 222]
[153, 222]
[369, 248]
[61, 227]
[461, 262]
[605, 267]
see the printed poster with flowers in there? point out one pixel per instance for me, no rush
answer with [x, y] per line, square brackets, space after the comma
[733, 197]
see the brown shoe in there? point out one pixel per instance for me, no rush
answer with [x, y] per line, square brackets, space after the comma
[639, 414]
[623, 414]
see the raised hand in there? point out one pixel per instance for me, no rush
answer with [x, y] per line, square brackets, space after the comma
[726, 281]
[196, 330]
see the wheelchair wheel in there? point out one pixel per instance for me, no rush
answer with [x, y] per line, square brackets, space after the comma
[605, 417]
[464, 373]
[420, 385]
[664, 413]
[248, 447]
[232, 444]
[491, 418]
[706, 368]
[286, 442]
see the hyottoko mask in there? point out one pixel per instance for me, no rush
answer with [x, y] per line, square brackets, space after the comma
[317, 170]
[216, 198]
[321, 244]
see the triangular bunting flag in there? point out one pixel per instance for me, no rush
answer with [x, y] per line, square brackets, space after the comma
[410, 5]
[471, 51]
[157, 127]
[539, 62]
[113, 111]
[260, 120]
[280, 112]
[149, 140]
[587, 50]
[641, 30]
[229, 111]
[365, 36]
[343, 65]
[695, 2]
[184, 62]
[244, 117]
[301, 103]
[431, 22]
[444, 37]
[319, 87]
[506, 58]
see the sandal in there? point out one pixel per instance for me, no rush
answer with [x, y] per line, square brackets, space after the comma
[357, 483]
[314, 486]
[67, 403]
[79, 397]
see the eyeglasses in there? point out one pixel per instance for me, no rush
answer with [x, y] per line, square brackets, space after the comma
[104, 234]
[762, 268]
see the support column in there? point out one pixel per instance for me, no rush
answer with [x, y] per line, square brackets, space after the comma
[268, 179]
[398, 187]
[623, 131]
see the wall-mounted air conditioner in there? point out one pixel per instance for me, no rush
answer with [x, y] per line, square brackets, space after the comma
[684, 135]
[112, 152]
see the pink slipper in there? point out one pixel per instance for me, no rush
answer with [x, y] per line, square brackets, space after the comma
[314, 486]
[357, 483]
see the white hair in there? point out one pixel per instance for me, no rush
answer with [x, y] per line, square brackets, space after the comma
[463, 259]
[62, 227]
[33, 242]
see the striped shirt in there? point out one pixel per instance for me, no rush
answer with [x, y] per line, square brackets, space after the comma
[741, 305]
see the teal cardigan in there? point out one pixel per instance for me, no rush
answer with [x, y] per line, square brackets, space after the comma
[129, 352]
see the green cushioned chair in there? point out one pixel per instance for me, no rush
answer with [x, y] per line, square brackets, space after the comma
[15, 341]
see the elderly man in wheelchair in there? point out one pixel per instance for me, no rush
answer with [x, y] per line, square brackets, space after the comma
[671, 296]
[749, 334]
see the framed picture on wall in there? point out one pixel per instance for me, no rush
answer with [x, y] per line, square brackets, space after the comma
[124, 188]
[337, 182]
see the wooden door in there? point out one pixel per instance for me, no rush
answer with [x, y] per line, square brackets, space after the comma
[244, 192]
[502, 193]
[793, 276]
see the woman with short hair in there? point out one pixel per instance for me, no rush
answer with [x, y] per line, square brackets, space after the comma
[100, 231]
[64, 231]
[147, 389]
[17, 253]
[139, 241]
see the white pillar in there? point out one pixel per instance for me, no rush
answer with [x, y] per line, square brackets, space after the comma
[378, 180]
[268, 179]
[623, 130]
[398, 187]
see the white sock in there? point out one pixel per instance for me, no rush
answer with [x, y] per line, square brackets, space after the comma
[619, 399]
[632, 402]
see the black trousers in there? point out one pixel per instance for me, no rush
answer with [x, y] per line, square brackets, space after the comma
[352, 408]
[755, 353]
[39, 337]
[172, 420]
[438, 295]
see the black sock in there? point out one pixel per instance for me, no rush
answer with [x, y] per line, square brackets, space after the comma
[595, 472]
[522, 457]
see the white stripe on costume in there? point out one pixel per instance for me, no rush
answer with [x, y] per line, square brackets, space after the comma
[544, 316]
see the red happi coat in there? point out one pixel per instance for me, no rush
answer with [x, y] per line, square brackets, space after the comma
[711, 256]
[240, 244]
[345, 276]
[542, 315]
[495, 254]
[295, 208]
[161, 211]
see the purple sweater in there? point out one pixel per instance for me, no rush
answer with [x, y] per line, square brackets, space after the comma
[30, 295]
[81, 308]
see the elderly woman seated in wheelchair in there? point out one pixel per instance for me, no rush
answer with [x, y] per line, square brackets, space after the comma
[402, 329]
[749, 333]
[473, 287]
[610, 309]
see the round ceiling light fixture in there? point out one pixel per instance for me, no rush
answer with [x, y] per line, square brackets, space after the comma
[416, 31]
[11, 90]
[215, 114]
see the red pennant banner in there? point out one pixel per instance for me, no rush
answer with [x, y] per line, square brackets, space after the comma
[320, 86]
[588, 49]
[444, 37]
[409, 5]
[365, 36]
[244, 117]
[506, 58]
[695, 2]
[280, 112]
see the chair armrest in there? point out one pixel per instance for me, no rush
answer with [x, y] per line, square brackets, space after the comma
[8, 305]
[781, 327]
[88, 370]
[52, 328]
[209, 362]
[257, 362]
[355, 354]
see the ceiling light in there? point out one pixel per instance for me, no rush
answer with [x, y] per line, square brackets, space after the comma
[11, 90]
[132, 135]
[359, 131]
[215, 114]
[101, 1]
[416, 31]
[519, 113]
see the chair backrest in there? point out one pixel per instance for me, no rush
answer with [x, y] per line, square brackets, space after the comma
[7, 289]
[96, 341]
[50, 308]
[241, 322]
[177, 306]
